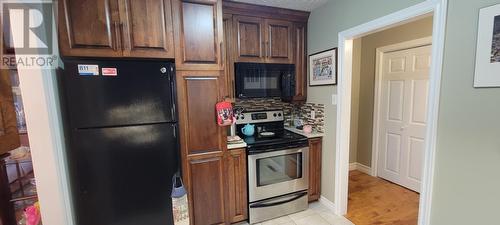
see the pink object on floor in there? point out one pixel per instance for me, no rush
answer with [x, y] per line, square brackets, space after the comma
[32, 214]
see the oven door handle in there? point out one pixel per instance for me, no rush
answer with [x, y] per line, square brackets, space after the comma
[263, 205]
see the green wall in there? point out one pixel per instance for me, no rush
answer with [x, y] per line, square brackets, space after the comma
[467, 180]
[324, 25]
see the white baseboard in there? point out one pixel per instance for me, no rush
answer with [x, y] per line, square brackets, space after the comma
[352, 166]
[327, 203]
[360, 167]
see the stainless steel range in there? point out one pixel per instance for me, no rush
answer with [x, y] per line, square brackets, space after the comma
[278, 175]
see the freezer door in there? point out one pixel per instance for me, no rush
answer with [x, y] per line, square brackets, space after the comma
[122, 175]
[139, 92]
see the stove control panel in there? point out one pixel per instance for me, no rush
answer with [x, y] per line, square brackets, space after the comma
[260, 117]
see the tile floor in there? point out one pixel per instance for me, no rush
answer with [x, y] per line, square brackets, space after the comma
[317, 214]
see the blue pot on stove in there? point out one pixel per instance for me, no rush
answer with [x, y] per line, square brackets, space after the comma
[248, 130]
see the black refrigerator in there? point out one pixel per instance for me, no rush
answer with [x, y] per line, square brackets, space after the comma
[121, 125]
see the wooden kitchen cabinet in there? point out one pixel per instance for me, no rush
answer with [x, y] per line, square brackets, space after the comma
[261, 40]
[89, 32]
[315, 146]
[9, 136]
[300, 59]
[203, 145]
[198, 34]
[249, 38]
[228, 58]
[116, 28]
[147, 29]
[206, 189]
[262, 34]
[236, 169]
[198, 92]
[278, 41]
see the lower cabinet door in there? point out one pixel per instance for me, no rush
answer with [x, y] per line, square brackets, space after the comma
[207, 190]
[315, 146]
[237, 185]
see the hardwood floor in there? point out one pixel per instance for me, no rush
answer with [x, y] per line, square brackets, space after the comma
[374, 201]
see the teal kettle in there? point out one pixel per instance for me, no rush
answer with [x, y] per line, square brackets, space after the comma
[248, 130]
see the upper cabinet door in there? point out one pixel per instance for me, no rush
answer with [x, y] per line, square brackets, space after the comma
[228, 56]
[147, 28]
[300, 59]
[198, 34]
[93, 32]
[249, 39]
[279, 41]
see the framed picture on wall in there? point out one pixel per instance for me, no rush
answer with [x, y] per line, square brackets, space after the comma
[323, 68]
[488, 48]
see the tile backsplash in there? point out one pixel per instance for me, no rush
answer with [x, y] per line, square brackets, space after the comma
[291, 111]
[306, 111]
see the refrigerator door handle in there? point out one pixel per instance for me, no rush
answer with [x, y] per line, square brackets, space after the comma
[175, 130]
[173, 93]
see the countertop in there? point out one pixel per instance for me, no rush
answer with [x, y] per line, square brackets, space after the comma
[314, 134]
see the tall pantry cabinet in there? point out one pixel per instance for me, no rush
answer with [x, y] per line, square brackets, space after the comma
[199, 42]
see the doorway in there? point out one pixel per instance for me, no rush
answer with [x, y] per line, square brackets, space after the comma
[390, 82]
[438, 9]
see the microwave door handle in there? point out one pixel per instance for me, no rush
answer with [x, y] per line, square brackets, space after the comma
[263, 205]
[285, 84]
[282, 81]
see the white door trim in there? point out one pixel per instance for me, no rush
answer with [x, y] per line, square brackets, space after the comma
[378, 71]
[439, 8]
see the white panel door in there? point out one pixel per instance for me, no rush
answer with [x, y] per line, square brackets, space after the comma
[402, 117]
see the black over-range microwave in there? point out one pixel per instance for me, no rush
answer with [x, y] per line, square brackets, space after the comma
[257, 80]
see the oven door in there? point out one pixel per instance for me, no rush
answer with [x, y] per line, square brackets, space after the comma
[277, 173]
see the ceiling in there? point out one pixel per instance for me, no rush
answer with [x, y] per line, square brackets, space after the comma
[304, 5]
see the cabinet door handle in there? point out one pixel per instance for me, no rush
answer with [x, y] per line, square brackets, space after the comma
[265, 49]
[222, 59]
[121, 37]
[117, 27]
[268, 50]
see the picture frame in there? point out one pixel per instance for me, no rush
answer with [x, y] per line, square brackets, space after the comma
[323, 67]
[487, 72]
